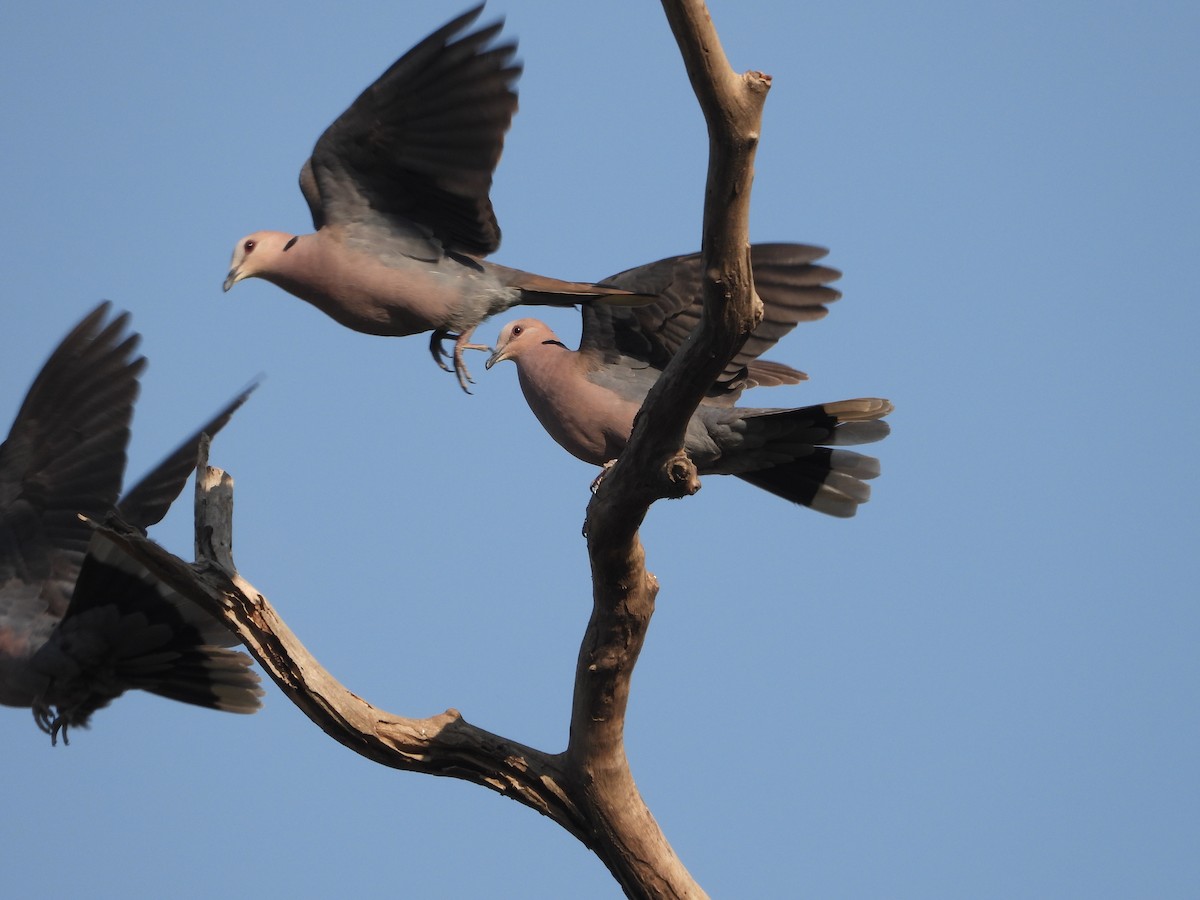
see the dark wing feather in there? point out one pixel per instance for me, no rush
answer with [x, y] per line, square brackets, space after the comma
[421, 143]
[793, 290]
[65, 453]
[148, 501]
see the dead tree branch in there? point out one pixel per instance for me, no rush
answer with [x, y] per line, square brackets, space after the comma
[443, 744]
[653, 467]
[588, 789]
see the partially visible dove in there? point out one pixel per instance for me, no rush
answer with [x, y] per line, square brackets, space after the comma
[80, 622]
[792, 285]
[587, 400]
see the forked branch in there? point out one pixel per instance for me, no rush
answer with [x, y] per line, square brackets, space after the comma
[588, 789]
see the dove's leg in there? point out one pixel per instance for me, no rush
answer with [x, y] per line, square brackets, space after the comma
[436, 350]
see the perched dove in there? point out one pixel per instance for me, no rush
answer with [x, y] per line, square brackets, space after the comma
[398, 190]
[587, 400]
[80, 622]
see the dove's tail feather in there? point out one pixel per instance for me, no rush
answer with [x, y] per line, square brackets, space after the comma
[801, 449]
[829, 481]
[541, 290]
[569, 294]
[127, 630]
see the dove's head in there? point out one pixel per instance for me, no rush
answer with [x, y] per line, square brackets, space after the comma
[257, 255]
[517, 337]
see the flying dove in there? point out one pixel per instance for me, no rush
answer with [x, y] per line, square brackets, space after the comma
[587, 399]
[398, 190]
[80, 622]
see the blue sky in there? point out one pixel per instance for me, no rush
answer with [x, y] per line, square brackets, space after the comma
[986, 685]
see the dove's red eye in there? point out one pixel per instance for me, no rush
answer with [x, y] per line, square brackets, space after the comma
[516, 330]
[249, 246]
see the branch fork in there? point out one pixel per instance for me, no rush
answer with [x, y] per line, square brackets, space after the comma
[588, 789]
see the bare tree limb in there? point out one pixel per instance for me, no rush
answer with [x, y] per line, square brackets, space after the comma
[652, 467]
[444, 744]
[588, 789]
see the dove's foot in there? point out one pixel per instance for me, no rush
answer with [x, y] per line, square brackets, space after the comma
[462, 343]
[51, 722]
[603, 471]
